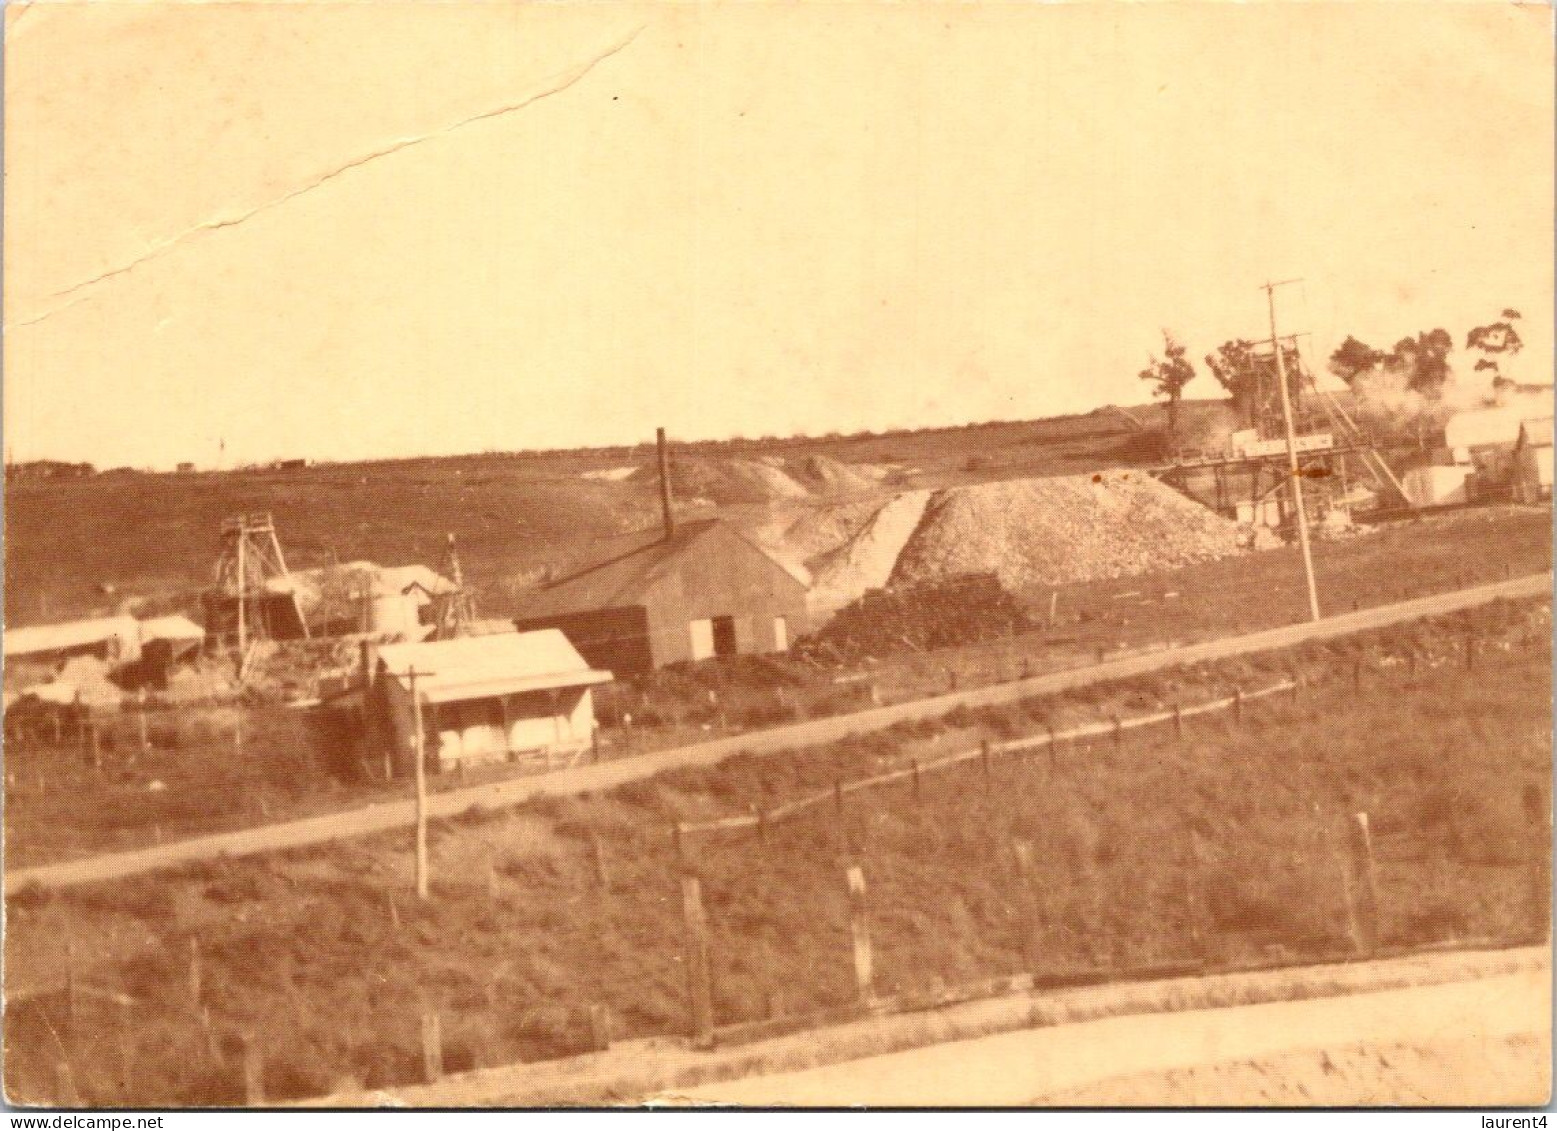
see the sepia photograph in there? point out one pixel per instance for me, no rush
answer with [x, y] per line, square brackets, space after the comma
[817, 555]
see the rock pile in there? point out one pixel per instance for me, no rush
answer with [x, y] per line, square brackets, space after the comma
[829, 477]
[957, 611]
[1065, 529]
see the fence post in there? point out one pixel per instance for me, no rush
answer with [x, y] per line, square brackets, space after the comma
[984, 760]
[1023, 852]
[1357, 675]
[1118, 734]
[675, 842]
[838, 796]
[1238, 705]
[1470, 651]
[126, 1047]
[1054, 745]
[1178, 722]
[194, 971]
[253, 1071]
[65, 1085]
[914, 766]
[859, 924]
[432, 1045]
[762, 826]
[700, 1002]
[1362, 850]
[213, 1047]
[72, 997]
[599, 1028]
[1194, 895]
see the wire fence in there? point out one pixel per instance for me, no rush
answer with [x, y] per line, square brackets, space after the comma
[245, 1060]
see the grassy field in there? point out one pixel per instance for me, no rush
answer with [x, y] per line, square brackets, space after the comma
[58, 805]
[1222, 844]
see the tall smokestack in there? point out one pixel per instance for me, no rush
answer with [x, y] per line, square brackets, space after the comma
[670, 519]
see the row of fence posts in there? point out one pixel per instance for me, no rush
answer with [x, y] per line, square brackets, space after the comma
[1358, 878]
[1359, 890]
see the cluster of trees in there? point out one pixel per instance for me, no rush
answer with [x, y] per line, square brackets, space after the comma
[1420, 363]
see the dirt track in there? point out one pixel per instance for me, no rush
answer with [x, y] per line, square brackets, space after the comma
[1478, 1043]
[391, 815]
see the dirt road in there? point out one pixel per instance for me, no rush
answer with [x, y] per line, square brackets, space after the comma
[1478, 1043]
[397, 814]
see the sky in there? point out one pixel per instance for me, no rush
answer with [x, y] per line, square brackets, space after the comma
[244, 231]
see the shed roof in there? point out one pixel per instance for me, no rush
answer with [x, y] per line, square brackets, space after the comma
[71, 634]
[633, 564]
[480, 667]
[170, 628]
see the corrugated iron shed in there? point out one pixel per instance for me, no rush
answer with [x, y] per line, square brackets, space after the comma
[480, 667]
[121, 633]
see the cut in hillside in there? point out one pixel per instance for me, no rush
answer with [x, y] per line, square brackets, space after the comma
[1065, 529]
[867, 559]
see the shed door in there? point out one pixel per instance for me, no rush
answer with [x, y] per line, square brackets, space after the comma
[702, 639]
[780, 634]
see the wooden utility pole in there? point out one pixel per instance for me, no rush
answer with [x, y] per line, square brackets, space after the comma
[243, 618]
[1292, 460]
[419, 756]
[700, 1001]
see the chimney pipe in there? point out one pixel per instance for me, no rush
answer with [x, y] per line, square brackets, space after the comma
[670, 519]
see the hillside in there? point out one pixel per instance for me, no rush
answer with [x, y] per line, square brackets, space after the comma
[83, 546]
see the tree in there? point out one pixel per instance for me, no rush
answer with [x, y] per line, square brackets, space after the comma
[1494, 341]
[1423, 361]
[1169, 376]
[1354, 358]
[1239, 369]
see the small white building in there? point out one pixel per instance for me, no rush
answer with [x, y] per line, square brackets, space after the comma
[487, 698]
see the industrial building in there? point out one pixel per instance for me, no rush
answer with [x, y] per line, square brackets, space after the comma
[1486, 455]
[691, 592]
[362, 596]
[484, 699]
[1533, 461]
